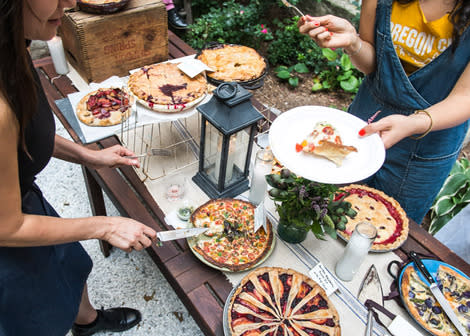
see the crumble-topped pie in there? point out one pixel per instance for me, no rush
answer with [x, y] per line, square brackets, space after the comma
[164, 87]
[233, 63]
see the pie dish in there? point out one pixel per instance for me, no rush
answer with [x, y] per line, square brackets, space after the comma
[101, 6]
[104, 107]
[230, 244]
[277, 301]
[234, 63]
[379, 209]
[165, 88]
[424, 308]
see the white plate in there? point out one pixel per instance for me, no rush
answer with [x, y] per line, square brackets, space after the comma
[293, 126]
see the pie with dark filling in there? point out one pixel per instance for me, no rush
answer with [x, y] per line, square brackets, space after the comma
[231, 242]
[104, 107]
[383, 211]
[233, 63]
[273, 301]
[164, 87]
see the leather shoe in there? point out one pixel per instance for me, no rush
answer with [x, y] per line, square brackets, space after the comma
[113, 319]
[175, 21]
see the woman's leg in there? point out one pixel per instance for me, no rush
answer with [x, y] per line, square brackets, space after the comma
[86, 312]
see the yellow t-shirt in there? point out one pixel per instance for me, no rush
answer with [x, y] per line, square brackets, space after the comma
[418, 41]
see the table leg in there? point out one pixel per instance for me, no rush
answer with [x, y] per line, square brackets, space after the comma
[95, 195]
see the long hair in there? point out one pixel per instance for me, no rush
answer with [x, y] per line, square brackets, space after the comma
[459, 17]
[16, 79]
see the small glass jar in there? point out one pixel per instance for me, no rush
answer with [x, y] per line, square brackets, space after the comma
[356, 250]
[262, 167]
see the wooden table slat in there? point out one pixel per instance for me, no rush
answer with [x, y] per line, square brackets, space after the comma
[208, 311]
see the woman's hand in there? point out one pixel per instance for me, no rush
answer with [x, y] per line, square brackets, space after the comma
[128, 234]
[330, 31]
[111, 157]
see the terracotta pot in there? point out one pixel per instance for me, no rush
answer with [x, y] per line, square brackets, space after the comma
[291, 233]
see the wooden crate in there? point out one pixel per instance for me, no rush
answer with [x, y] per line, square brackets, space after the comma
[100, 46]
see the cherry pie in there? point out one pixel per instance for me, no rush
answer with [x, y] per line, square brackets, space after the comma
[273, 301]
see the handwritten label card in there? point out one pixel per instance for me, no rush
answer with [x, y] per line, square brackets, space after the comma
[320, 274]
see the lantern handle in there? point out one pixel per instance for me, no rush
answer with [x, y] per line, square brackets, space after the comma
[226, 90]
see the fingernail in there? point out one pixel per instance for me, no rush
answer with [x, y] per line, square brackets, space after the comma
[326, 29]
[331, 34]
[135, 162]
[362, 132]
[317, 24]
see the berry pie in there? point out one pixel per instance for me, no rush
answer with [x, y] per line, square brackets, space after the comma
[274, 301]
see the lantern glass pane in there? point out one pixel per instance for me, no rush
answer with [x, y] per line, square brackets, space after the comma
[237, 156]
[212, 151]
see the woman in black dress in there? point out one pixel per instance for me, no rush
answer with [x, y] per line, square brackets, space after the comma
[43, 269]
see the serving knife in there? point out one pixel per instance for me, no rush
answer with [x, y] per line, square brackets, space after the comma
[437, 293]
[371, 289]
[180, 233]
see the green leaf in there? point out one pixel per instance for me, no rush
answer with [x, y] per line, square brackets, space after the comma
[283, 74]
[444, 206]
[439, 223]
[279, 68]
[318, 231]
[329, 54]
[453, 184]
[330, 231]
[349, 85]
[294, 81]
[326, 85]
[346, 62]
[301, 68]
[344, 76]
[317, 87]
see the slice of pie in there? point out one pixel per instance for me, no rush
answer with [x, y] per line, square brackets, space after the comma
[104, 107]
[275, 301]
[383, 211]
[164, 87]
[326, 141]
[233, 63]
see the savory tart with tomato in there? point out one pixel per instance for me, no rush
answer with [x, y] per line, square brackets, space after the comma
[275, 301]
[325, 141]
[379, 209]
[230, 243]
[104, 107]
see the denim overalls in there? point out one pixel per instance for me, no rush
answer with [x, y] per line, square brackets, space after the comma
[414, 170]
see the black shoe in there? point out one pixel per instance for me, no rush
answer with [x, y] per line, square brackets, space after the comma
[175, 21]
[114, 319]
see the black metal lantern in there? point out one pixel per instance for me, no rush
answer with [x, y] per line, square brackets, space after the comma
[227, 131]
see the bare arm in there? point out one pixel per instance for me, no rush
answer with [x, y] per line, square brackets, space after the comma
[19, 229]
[450, 112]
[333, 32]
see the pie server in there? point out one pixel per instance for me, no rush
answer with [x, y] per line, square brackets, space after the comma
[437, 293]
[180, 233]
[371, 289]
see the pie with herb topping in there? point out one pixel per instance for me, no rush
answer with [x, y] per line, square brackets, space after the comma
[230, 242]
[104, 107]
[233, 63]
[164, 87]
[383, 211]
[273, 301]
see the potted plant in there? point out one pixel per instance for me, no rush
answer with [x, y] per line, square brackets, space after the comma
[305, 206]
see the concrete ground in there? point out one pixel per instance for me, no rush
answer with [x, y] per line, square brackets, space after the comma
[122, 279]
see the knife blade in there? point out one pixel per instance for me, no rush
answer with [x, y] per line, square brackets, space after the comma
[371, 289]
[180, 233]
[437, 293]
[260, 217]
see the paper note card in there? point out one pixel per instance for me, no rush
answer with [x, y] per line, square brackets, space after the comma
[193, 67]
[323, 277]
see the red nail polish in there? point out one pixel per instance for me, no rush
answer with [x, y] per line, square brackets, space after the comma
[331, 34]
[362, 132]
[317, 24]
[326, 29]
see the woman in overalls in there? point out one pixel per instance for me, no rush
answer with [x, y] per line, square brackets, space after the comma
[43, 269]
[415, 54]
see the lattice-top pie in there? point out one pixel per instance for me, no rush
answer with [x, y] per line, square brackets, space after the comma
[381, 210]
[233, 63]
[164, 87]
[273, 301]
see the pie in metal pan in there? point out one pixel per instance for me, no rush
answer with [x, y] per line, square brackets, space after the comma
[101, 6]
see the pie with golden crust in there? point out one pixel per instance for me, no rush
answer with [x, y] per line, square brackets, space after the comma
[383, 211]
[231, 242]
[233, 63]
[275, 301]
[165, 88]
[104, 107]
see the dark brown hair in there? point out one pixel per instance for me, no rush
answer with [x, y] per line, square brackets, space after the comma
[16, 79]
[459, 17]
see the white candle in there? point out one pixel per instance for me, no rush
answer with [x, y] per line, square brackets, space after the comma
[56, 50]
[230, 159]
[262, 167]
[356, 250]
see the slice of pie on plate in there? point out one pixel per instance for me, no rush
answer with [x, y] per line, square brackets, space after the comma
[104, 107]
[325, 141]
[165, 88]
[379, 209]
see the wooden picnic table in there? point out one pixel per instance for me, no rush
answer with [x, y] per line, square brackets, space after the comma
[202, 289]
